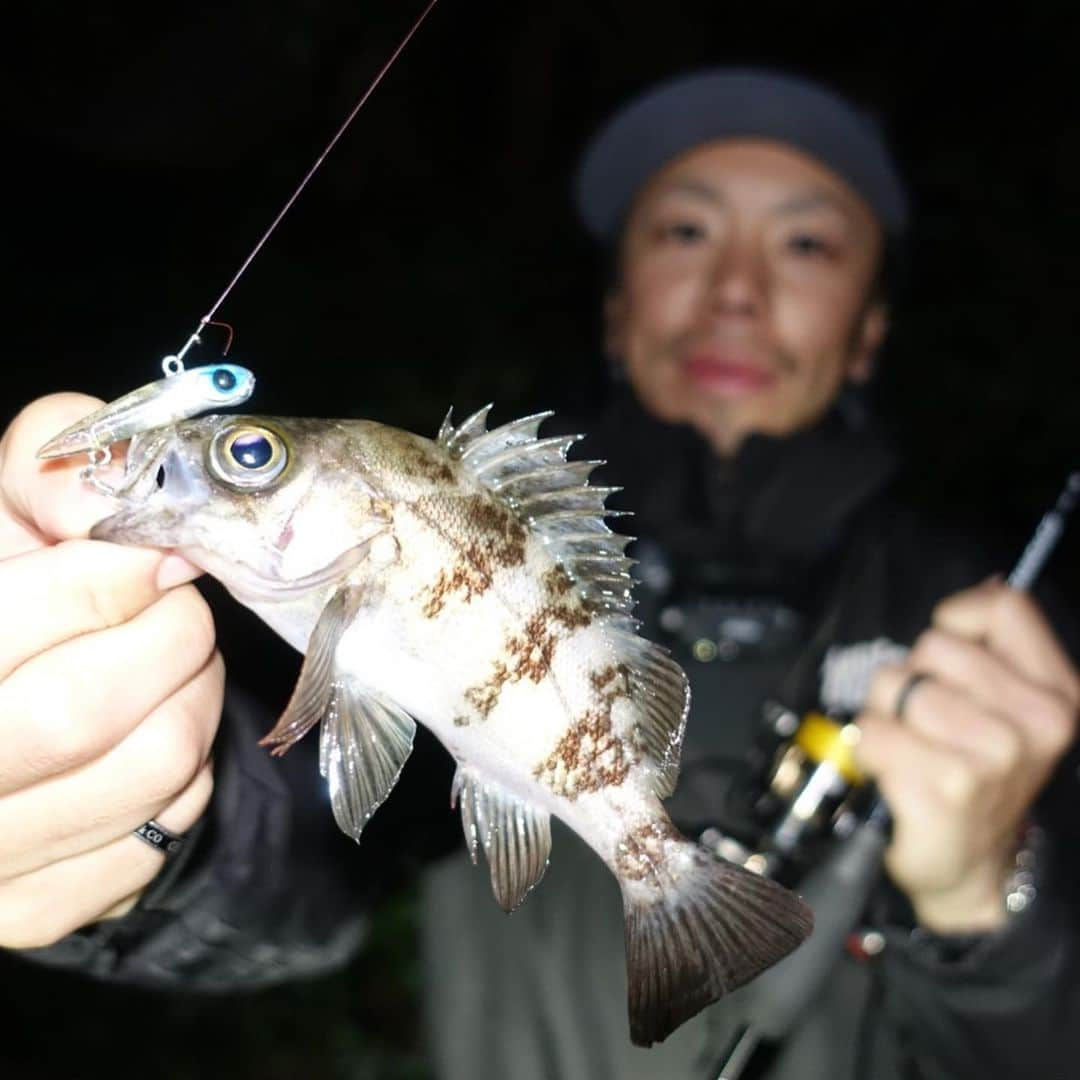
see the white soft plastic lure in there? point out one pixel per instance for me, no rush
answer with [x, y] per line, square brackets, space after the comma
[155, 405]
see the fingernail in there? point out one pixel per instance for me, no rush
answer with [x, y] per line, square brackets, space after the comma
[175, 570]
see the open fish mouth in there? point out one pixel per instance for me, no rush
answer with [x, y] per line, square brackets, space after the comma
[159, 490]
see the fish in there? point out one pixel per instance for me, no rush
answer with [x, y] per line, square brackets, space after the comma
[157, 404]
[470, 583]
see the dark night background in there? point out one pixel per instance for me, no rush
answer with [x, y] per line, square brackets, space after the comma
[436, 260]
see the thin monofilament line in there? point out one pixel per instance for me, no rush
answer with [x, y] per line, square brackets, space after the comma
[303, 183]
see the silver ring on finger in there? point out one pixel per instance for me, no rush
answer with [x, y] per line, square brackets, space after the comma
[158, 837]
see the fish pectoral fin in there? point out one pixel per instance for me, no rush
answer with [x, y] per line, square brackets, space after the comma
[311, 696]
[365, 741]
[515, 835]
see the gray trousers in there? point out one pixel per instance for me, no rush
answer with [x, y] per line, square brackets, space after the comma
[541, 994]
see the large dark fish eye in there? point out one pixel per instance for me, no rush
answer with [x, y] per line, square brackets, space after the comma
[224, 379]
[251, 450]
[247, 456]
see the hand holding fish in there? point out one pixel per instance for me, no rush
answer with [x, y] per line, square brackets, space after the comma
[110, 694]
[978, 740]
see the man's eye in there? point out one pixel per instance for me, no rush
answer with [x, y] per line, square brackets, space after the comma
[682, 232]
[807, 244]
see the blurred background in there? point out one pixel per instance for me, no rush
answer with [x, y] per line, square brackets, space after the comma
[435, 260]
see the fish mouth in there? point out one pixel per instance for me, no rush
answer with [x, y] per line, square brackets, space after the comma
[165, 495]
[158, 493]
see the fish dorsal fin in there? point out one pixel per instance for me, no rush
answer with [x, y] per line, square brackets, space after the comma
[553, 497]
[515, 836]
[364, 743]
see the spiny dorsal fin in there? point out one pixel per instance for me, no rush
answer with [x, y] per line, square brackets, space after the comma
[553, 497]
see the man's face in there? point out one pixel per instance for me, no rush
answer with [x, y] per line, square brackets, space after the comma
[743, 299]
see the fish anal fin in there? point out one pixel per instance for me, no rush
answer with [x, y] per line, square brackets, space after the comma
[515, 836]
[311, 696]
[365, 741]
[714, 928]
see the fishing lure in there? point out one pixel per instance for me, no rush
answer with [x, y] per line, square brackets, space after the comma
[176, 397]
[182, 394]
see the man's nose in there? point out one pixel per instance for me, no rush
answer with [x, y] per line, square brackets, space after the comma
[737, 283]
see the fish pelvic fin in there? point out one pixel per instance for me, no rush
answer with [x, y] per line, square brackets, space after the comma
[365, 739]
[515, 836]
[363, 746]
[712, 930]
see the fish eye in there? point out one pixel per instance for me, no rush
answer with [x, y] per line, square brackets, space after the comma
[247, 456]
[224, 379]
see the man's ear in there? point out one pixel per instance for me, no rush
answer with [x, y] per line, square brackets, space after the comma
[614, 326]
[869, 336]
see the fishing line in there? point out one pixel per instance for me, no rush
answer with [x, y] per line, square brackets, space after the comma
[173, 365]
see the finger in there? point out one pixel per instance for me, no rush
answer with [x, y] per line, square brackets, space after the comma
[949, 717]
[1042, 715]
[1013, 628]
[131, 784]
[911, 770]
[39, 908]
[47, 497]
[77, 587]
[66, 707]
[119, 910]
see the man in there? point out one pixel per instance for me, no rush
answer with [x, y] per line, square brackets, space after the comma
[746, 302]
[752, 219]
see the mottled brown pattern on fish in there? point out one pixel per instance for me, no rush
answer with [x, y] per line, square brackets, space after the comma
[491, 517]
[485, 697]
[426, 462]
[556, 582]
[527, 655]
[572, 616]
[591, 756]
[601, 679]
[466, 578]
[640, 853]
[487, 537]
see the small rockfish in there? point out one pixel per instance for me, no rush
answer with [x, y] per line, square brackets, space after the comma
[469, 583]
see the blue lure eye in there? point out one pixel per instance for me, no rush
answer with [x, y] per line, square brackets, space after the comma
[251, 451]
[224, 379]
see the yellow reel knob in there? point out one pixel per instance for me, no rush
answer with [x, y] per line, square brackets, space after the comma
[821, 738]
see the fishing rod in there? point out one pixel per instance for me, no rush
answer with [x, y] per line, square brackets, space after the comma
[839, 888]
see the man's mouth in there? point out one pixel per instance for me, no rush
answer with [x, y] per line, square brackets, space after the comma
[729, 375]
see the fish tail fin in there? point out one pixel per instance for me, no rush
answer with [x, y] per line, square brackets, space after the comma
[705, 933]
